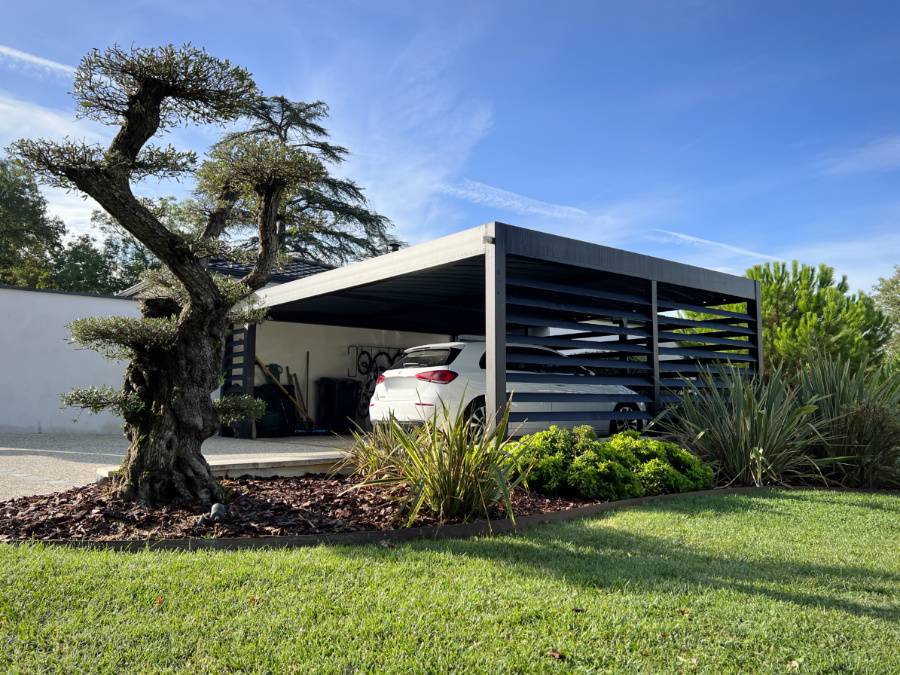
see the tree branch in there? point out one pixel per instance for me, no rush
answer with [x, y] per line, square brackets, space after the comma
[267, 231]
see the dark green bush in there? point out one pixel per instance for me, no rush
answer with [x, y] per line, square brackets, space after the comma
[699, 474]
[549, 473]
[658, 477]
[549, 454]
[595, 477]
[576, 462]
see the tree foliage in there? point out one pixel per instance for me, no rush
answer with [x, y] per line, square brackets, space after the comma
[887, 298]
[250, 180]
[28, 235]
[81, 266]
[808, 311]
[322, 217]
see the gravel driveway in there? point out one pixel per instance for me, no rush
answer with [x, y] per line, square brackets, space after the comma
[33, 464]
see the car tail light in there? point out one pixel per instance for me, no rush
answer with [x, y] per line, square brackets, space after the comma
[437, 376]
[380, 379]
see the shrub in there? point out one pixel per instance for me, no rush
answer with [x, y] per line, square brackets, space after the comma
[754, 431]
[548, 455]
[699, 474]
[626, 465]
[549, 474]
[598, 478]
[658, 477]
[858, 410]
[447, 465]
[634, 451]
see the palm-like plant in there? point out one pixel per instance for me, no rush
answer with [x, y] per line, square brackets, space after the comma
[752, 430]
[450, 466]
[858, 410]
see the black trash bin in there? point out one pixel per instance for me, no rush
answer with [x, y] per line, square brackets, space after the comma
[336, 399]
[281, 417]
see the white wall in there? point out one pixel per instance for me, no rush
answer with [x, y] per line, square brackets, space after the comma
[286, 344]
[37, 363]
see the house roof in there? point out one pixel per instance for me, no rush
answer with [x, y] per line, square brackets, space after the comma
[296, 268]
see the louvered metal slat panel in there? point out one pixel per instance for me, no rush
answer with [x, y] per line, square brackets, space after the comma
[701, 337]
[669, 305]
[549, 322]
[591, 310]
[562, 343]
[541, 378]
[682, 384]
[669, 398]
[698, 353]
[579, 416]
[528, 397]
[577, 291]
[681, 367]
[552, 360]
[673, 322]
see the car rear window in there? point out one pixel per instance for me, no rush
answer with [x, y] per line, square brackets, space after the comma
[426, 358]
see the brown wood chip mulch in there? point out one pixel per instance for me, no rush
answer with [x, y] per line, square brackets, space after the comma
[257, 507]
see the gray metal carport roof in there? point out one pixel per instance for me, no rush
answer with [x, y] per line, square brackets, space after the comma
[497, 279]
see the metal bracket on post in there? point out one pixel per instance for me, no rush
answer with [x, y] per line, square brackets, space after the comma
[495, 320]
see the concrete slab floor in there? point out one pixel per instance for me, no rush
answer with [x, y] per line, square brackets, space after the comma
[32, 464]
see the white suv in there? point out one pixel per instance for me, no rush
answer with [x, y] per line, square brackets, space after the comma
[452, 374]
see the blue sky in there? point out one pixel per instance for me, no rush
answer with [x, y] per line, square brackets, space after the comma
[716, 133]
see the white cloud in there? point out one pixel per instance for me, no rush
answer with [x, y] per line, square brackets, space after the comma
[408, 124]
[862, 258]
[610, 224]
[24, 119]
[10, 54]
[487, 195]
[709, 243]
[882, 154]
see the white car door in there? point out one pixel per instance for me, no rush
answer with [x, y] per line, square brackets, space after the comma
[516, 366]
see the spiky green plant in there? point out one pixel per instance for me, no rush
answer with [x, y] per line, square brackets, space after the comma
[752, 430]
[449, 466]
[858, 410]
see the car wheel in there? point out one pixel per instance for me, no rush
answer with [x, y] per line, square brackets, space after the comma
[477, 413]
[617, 426]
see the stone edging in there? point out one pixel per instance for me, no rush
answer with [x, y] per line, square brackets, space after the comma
[384, 537]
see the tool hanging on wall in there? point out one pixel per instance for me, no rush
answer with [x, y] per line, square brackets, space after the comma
[292, 379]
[300, 408]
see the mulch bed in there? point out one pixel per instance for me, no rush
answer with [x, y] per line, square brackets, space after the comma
[257, 507]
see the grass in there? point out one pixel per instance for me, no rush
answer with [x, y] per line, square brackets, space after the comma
[766, 582]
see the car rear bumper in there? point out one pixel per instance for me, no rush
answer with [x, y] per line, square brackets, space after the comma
[403, 411]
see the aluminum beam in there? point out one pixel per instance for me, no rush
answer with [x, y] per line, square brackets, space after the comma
[494, 243]
[553, 248]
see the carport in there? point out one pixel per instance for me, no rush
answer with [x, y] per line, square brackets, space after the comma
[619, 314]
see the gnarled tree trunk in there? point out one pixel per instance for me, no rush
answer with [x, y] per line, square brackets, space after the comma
[164, 463]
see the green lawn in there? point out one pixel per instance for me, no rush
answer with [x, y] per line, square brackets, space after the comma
[768, 582]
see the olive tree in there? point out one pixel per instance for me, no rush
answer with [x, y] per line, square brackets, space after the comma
[251, 177]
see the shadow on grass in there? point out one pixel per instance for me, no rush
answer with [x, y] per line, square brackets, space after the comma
[826, 497]
[592, 554]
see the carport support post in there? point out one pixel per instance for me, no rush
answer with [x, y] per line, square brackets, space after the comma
[495, 321]
[654, 345]
[755, 309]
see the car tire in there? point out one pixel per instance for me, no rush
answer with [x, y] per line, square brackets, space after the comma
[476, 412]
[617, 426]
